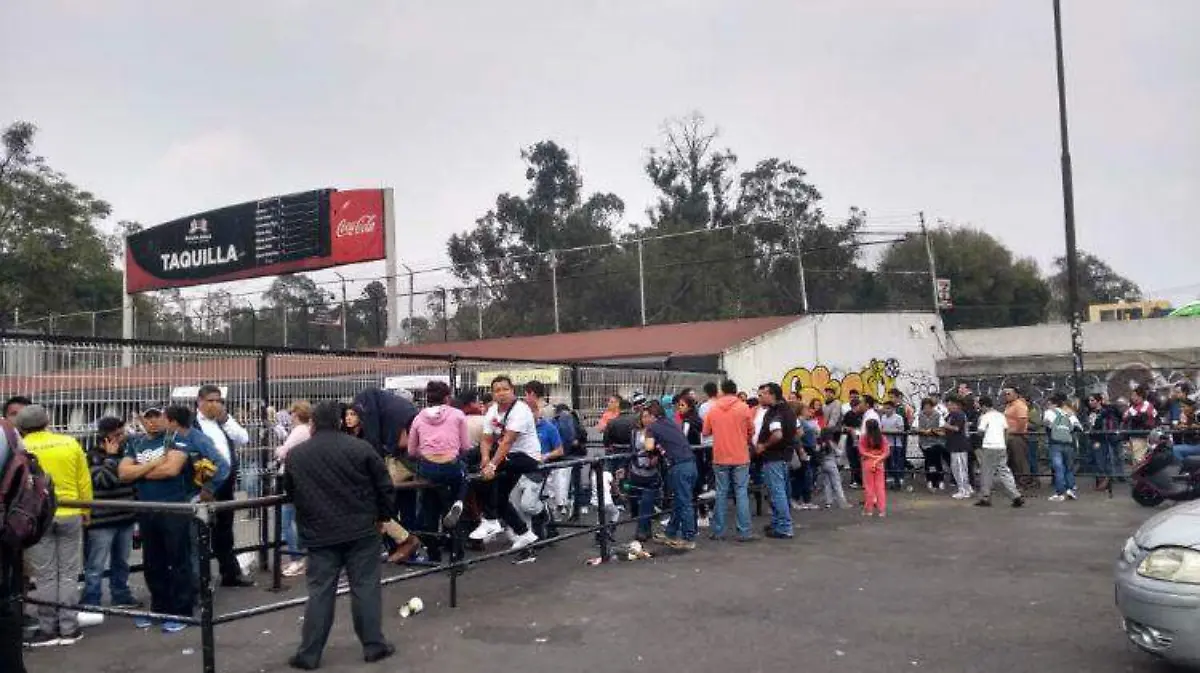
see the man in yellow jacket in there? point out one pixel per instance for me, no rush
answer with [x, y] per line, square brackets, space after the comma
[56, 560]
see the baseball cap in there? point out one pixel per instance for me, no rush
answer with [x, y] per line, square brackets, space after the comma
[154, 408]
[32, 417]
[637, 399]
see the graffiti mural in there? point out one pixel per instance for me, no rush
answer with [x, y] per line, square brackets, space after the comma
[1115, 383]
[875, 378]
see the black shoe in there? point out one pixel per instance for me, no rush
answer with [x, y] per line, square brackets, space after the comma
[775, 535]
[1018, 502]
[239, 582]
[70, 638]
[131, 604]
[41, 639]
[716, 538]
[380, 654]
[984, 503]
[301, 665]
[748, 538]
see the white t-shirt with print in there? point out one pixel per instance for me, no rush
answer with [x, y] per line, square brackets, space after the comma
[521, 421]
[993, 425]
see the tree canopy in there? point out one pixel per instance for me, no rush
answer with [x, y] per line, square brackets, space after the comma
[718, 241]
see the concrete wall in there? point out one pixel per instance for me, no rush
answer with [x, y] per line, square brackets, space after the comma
[870, 352]
[1117, 357]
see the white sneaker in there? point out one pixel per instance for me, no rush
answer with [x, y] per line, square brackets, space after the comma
[708, 495]
[942, 486]
[487, 528]
[961, 495]
[1057, 498]
[1071, 494]
[523, 541]
[702, 522]
[929, 485]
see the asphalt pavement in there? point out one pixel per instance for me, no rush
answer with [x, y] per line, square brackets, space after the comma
[939, 586]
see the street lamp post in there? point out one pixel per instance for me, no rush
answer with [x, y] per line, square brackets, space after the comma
[1068, 190]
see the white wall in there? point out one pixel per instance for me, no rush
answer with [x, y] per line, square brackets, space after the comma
[1098, 337]
[870, 351]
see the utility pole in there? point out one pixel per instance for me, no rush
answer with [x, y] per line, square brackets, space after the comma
[411, 295]
[641, 282]
[445, 318]
[800, 266]
[479, 306]
[1068, 190]
[345, 340]
[933, 280]
[554, 290]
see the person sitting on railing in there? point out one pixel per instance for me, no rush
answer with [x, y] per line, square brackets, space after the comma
[1140, 417]
[437, 440]
[343, 496]
[1187, 431]
[510, 449]
[110, 535]
[55, 559]
[159, 474]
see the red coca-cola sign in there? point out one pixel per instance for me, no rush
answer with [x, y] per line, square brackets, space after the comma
[356, 218]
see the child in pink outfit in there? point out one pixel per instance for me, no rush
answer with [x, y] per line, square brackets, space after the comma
[874, 450]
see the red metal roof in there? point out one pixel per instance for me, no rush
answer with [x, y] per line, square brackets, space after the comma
[677, 340]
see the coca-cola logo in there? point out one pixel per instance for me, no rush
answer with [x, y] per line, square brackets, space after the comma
[361, 226]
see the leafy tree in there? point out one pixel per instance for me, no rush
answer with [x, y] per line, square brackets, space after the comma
[1099, 283]
[990, 287]
[293, 299]
[504, 255]
[53, 260]
[782, 213]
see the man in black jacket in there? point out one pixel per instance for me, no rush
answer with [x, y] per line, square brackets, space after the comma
[775, 444]
[342, 494]
[109, 539]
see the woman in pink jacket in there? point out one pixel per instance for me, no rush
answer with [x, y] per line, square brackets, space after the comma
[437, 439]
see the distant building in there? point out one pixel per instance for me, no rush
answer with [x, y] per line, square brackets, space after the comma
[1128, 310]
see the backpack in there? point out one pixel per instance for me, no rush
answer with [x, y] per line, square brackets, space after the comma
[27, 501]
[569, 427]
[1060, 428]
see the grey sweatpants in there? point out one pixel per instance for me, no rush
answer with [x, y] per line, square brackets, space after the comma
[993, 465]
[829, 482]
[56, 561]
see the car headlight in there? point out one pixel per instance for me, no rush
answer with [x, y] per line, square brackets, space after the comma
[1172, 564]
[1129, 552]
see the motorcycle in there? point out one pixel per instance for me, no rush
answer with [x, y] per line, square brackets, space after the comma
[1161, 476]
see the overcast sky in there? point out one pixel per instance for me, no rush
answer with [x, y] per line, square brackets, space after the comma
[896, 106]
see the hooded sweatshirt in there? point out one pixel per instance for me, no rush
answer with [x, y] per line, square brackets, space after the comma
[730, 424]
[438, 434]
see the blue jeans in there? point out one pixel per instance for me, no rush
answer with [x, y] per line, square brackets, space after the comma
[682, 480]
[1108, 457]
[107, 549]
[288, 521]
[1185, 450]
[641, 500]
[737, 477]
[896, 463]
[1062, 461]
[775, 475]
[801, 485]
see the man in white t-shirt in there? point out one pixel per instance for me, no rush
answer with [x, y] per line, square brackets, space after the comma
[994, 456]
[510, 449]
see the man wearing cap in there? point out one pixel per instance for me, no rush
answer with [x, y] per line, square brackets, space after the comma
[55, 560]
[157, 470]
[11, 581]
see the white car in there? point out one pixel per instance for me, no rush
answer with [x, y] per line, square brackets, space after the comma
[1158, 585]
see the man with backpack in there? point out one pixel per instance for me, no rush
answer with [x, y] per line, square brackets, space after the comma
[14, 463]
[56, 559]
[1061, 424]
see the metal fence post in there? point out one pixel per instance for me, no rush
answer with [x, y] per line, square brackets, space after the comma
[208, 643]
[264, 393]
[456, 557]
[277, 546]
[601, 509]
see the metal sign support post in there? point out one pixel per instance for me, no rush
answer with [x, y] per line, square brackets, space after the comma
[390, 263]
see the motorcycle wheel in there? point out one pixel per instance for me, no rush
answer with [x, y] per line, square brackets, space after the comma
[1147, 497]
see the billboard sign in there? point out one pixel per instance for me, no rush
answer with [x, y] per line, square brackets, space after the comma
[269, 237]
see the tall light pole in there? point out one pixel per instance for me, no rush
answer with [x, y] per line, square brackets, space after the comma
[1068, 189]
[345, 341]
